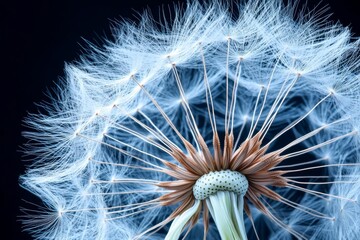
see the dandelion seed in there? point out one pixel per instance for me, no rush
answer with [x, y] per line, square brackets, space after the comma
[216, 125]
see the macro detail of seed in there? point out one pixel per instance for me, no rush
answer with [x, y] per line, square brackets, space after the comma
[225, 180]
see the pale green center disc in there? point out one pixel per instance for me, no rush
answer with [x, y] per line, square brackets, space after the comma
[224, 180]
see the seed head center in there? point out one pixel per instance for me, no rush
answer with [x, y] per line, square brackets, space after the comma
[224, 180]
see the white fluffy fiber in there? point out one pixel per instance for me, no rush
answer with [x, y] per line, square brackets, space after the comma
[71, 139]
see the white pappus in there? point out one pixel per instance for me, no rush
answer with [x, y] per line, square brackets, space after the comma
[221, 123]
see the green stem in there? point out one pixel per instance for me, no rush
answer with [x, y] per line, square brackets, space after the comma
[226, 208]
[180, 221]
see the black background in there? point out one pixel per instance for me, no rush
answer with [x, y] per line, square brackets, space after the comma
[37, 38]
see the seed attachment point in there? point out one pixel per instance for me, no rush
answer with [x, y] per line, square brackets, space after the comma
[225, 181]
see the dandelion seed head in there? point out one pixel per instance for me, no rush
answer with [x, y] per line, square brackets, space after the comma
[266, 103]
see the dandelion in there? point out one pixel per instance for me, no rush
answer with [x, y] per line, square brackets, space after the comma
[230, 124]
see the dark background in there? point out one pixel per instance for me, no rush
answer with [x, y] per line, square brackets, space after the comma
[37, 38]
